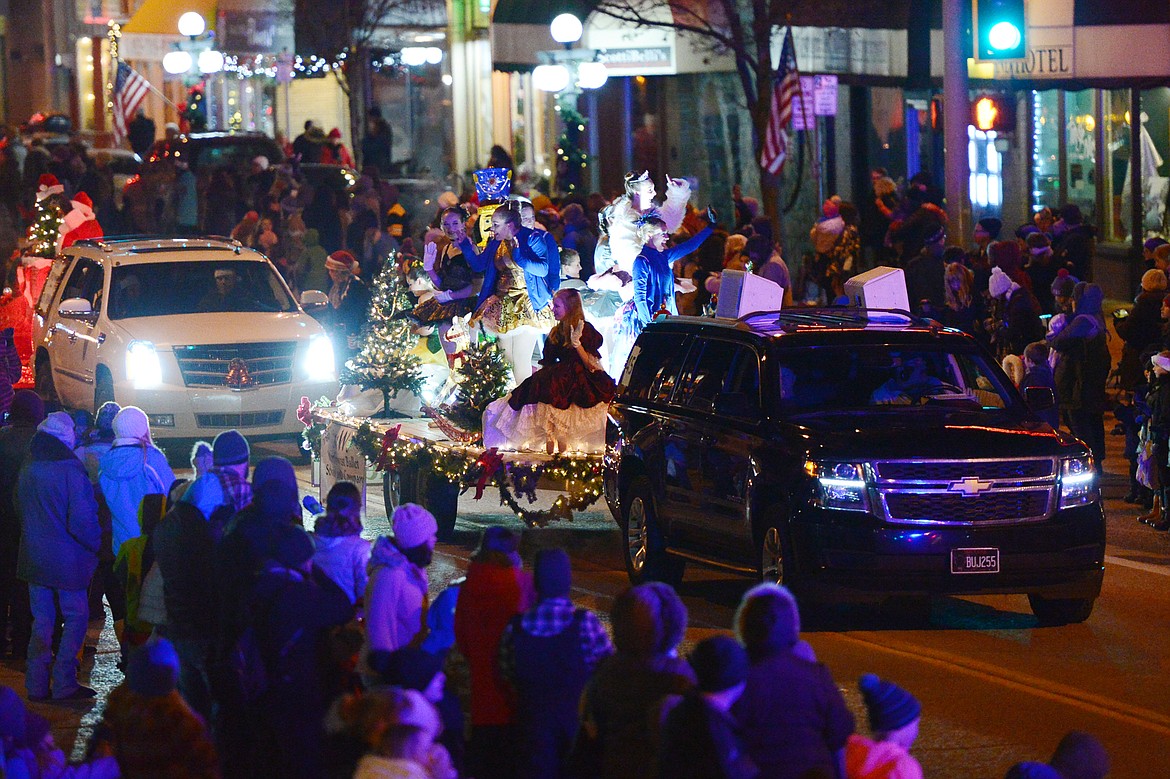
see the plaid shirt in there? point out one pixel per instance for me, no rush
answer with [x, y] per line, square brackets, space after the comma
[236, 489]
[549, 618]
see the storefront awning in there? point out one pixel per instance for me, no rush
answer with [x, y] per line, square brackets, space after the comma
[161, 17]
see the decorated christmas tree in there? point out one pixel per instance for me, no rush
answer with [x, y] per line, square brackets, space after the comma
[483, 377]
[384, 362]
[47, 216]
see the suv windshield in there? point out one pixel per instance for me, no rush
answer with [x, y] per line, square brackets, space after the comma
[844, 378]
[198, 286]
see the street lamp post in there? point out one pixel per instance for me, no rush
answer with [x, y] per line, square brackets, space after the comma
[196, 57]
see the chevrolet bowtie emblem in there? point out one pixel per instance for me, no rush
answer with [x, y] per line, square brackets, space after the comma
[969, 486]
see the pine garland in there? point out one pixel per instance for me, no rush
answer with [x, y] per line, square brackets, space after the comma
[384, 363]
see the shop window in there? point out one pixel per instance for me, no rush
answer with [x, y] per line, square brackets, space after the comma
[985, 164]
[1081, 152]
[1117, 151]
[1045, 150]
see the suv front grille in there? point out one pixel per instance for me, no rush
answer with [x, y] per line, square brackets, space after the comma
[247, 419]
[211, 365]
[966, 492]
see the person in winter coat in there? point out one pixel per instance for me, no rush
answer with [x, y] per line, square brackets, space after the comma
[497, 589]
[59, 545]
[617, 737]
[1082, 370]
[1019, 324]
[24, 415]
[1141, 329]
[133, 468]
[396, 595]
[810, 731]
[1038, 373]
[653, 270]
[546, 655]
[9, 369]
[418, 669]
[699, 736]
[293, 606]
[27, 747]
[225, 490]
[339, 549]
[99, 440]
[148, 728]
[893, 720]
[1158, 398]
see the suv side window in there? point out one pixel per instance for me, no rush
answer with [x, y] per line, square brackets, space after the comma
[56, 273]
[85, 282]
[652, 368]
[721, 367]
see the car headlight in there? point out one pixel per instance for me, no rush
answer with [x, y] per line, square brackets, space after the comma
[143, 368]
[319, 365]
[840, 485]
[1078, 482]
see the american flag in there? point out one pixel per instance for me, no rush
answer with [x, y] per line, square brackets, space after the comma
[785, 87]
[129, 90]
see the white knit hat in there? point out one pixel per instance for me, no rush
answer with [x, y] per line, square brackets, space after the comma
[413, 525]
[60, 426]
[131, 426]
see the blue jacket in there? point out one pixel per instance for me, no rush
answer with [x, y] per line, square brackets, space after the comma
[60, 534]
[531, 256]
[654, 277]
[126, 474]
[553, 277]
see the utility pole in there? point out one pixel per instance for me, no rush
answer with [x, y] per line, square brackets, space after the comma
[956, 106]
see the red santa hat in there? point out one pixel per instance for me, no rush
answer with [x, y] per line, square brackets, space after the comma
[342, 260]
[47, 186]
[82, 203]
[335, 133]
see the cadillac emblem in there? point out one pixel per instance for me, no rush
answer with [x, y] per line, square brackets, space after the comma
[238, 376]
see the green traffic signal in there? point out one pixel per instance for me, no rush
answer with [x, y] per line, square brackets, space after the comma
[999, 27]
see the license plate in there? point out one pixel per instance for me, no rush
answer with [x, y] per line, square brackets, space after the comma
[974, 561]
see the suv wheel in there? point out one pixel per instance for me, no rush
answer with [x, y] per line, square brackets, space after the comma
[645, 548]
[44, 386]
[1061, 611]
[772, 557]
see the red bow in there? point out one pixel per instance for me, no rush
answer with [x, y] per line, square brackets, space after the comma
[305, 412]
[383, 463]
[491, 462]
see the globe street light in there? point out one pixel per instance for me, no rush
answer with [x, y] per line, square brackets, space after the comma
[566, 29]
[192, 25]
[176, 62]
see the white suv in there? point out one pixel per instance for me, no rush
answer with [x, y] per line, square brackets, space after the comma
[200, 333]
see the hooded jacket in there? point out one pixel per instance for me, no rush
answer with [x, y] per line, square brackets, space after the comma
[396, 599]
[184, 546]
[1083, 368]
[125, 475]
[60, 534]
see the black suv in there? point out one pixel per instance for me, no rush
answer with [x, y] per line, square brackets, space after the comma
[849, 454]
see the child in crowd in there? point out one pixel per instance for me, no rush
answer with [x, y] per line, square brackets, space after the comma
[399, 728]
[339, 549]
[893, 719]
[1038, 373]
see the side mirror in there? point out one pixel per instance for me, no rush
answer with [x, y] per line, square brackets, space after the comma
[313, 298]
[734, 404]
[1039, 398]
[75, 308]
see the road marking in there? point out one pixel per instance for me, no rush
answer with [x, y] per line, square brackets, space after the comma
[1059, 693]
[1160, 570]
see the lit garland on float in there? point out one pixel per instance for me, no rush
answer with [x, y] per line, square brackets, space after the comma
[470, 467]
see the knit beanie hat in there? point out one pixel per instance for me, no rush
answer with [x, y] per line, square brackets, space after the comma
[991, 226]
[1063, 284]
[1038, 243]
[291, 546]
[229, 448]
[1080, 755]
[720, 663]
[104, 419]
[342, 260]
[413, 525]
[497, 538]
[1153, 243]
[889, 706]
[552, 572]
[1153, 280]
[27, 406]
[999, 284]
[12, 716]
[131, 426]
[60, 426]
[767, 620]
[153, 669]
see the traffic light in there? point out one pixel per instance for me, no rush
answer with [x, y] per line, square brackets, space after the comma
[1000, 29]
[994, 113]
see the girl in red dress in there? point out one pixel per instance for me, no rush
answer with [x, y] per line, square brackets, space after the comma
[562, 406]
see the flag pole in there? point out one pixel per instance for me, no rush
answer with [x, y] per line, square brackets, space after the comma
[808, 111]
